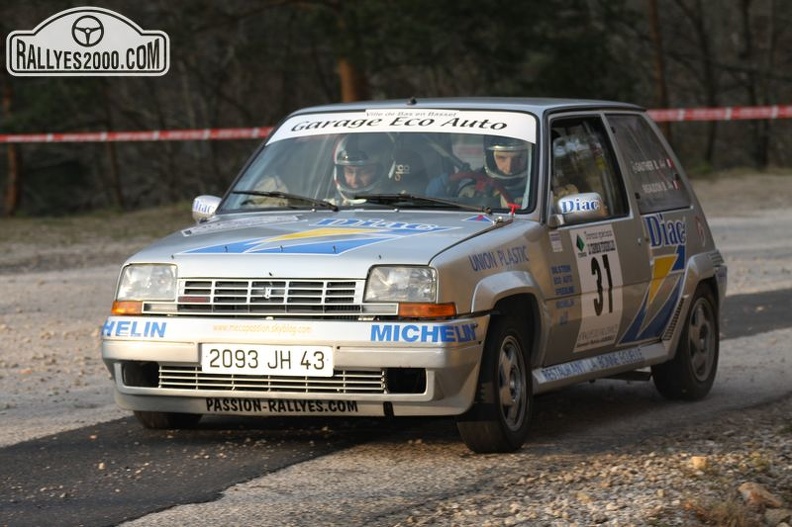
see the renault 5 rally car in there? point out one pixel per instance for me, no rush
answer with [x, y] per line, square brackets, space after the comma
[444, 257]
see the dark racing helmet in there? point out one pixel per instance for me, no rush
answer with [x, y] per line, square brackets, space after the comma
[364, 156]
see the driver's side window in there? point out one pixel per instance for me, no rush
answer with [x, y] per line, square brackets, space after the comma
[582, 161]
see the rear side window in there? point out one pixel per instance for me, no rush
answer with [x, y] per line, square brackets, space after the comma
[649, 166]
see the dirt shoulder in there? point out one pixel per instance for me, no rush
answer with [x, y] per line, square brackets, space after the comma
[743, 193]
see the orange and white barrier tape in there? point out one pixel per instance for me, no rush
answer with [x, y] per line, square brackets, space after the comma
[729, 113]
[205, 134]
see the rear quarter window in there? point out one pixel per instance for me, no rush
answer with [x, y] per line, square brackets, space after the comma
[648, 165]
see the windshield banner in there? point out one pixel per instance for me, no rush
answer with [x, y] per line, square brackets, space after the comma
[507, 124]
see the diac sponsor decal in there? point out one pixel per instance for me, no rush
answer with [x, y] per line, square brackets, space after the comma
[87, 41]
[666, 232]
[667, 240]
[330, 236]
[237, 223]
[570, 205]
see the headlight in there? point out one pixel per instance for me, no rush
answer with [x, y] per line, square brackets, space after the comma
[401, 284]
[147, 282]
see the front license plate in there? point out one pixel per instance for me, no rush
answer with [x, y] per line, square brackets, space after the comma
[290, 361]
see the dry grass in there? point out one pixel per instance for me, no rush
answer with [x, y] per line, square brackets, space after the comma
[96, 227]
[106, 237]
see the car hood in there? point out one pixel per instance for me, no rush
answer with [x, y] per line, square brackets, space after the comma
[313, 244]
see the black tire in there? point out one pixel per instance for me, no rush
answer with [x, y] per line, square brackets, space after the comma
[500, 417]
[167, 420]
[690, 374]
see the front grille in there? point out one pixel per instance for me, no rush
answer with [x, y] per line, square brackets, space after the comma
[270, 296]
[342, 382]
[333, 299]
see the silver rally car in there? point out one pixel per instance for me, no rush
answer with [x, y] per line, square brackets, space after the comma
[439, 257]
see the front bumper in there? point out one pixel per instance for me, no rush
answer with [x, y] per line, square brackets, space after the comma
[380, 368]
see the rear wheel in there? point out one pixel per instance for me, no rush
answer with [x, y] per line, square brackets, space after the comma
[691, 373]
[500, 416]
[167, 420]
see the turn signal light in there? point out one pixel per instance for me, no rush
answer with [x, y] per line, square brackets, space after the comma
[417, 310]
[127, 308]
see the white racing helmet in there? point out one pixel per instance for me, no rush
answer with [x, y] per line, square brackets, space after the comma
[493, 144]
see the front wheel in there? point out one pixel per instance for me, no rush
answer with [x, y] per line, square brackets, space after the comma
[167, 420]
[500, 416]
[690, 374]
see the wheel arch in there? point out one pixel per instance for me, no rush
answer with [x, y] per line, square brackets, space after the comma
[515, 293]
[702, 269]
[708, 269]
[495, 288]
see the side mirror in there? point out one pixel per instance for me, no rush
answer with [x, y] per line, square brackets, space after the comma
[579, 208]
[204, 207]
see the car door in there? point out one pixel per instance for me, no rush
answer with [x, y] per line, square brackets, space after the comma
[664, 206]
[599, 264]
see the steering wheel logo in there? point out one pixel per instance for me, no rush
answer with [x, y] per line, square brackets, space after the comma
[87, 31]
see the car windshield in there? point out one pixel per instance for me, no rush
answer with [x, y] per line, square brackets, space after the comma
[474, 159]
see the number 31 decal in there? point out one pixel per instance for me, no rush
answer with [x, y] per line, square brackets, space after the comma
[600, 274]
[596, 270]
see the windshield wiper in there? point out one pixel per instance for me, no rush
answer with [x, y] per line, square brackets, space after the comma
[415, 199]
[285, 195]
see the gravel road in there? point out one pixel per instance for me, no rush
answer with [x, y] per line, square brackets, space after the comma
[54, 299]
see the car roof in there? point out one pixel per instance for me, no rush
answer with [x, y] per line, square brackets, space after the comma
[537, 106]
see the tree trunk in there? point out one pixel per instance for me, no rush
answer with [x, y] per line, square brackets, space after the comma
[661, 86]
[351, 58]
[755, 77]
[353, 85]
[695, 15]
[13, 191]
[117, 194]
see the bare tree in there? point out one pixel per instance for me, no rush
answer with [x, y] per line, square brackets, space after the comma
[13, 190]
[659, 69]
[755, 53]
[695, 16]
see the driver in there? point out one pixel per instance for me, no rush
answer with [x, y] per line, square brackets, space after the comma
[359, 168]
[506, 165]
